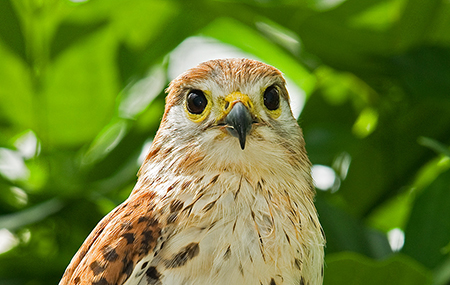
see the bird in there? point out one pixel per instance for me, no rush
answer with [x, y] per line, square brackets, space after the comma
[224, 195]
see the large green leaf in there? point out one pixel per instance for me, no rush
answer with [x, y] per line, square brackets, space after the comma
[10, 29]
[346, 233]
[82, 78]
[418, 18]
[16, 95]
[350, 268]
[423, 71]
[428, 232]
[147, 48]
[70, 33]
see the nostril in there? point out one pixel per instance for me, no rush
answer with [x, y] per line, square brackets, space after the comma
[227, 104]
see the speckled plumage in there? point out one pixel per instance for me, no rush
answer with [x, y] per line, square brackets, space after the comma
[205, 211]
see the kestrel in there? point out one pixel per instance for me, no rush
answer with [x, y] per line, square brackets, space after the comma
[224, 196]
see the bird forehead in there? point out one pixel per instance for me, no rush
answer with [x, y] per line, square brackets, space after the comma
[224, 76]
[225, 86]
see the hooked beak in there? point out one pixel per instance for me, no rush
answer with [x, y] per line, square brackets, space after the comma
[239, 122]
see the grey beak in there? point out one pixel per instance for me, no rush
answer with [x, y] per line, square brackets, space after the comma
[239, 122]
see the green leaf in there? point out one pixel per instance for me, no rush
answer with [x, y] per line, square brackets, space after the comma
[328, 132]
[84, 78]
[428, 232]
[346, 233]
[10, 29]
[149, 44]
[394, 213]
[352, 49]
[16, 95]
[424, 71]
[354, 269]
[416, 21]
[70, 33]
[379, 17]
[441, 25]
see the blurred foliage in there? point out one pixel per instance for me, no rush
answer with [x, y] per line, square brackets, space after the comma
[81, 95]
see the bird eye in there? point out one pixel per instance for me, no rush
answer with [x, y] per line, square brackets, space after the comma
[196, 101]
[271, 98]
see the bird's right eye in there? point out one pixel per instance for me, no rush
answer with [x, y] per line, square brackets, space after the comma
[196, 102]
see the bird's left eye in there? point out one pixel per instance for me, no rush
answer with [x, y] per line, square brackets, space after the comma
[271, 98]
[196, 101]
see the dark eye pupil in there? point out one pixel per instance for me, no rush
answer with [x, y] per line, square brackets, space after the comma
[271, 98]
[196, 102]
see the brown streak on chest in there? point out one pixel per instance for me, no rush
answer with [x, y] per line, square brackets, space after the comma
[187, 253]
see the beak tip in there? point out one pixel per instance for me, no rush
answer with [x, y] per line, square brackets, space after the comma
[242, 143]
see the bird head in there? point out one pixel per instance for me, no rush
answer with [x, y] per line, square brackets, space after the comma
[233, 111]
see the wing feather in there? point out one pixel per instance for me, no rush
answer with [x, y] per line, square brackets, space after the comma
[119, 241]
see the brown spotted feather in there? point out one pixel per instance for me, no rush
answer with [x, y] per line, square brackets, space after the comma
[116, 245]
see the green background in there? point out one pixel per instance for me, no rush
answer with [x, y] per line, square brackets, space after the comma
[376, 75]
